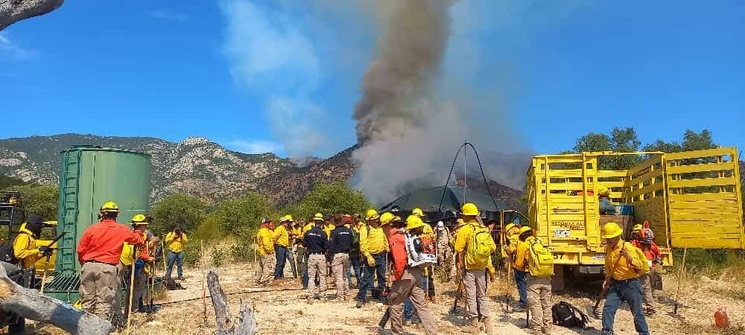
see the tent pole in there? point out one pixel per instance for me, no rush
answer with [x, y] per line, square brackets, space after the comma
[465, 172]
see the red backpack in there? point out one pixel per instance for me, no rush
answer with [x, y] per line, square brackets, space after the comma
[397, 245]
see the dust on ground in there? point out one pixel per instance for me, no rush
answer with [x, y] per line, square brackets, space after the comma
[281, 308]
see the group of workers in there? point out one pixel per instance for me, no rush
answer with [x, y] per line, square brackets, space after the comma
[111, 253]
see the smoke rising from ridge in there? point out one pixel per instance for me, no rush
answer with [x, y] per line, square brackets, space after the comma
[407, 132]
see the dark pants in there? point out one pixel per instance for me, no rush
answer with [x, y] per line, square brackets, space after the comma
[629, 291]
[521, 279]
[284, 255]
[302, 264]
[354, 267]
[178, 259]
[367, 278]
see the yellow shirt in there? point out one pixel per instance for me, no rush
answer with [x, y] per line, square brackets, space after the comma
[618, 268]
[428, 232]
[513, 236]
[463, 238]
[307, 228]
[176, 244]
[522, 253]
[372, 241]
[127, 250]
[328, 228]
[25, 250]
[282, 236]
[265, 241]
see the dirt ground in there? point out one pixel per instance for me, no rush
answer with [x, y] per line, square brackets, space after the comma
[281, 308]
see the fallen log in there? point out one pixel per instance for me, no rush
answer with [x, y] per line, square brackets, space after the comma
[245, 324]
[32, 305]
[12, 11]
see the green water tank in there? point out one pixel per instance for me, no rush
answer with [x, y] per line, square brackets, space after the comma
[89, 177]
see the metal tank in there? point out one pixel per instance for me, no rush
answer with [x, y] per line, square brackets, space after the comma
[90, 176]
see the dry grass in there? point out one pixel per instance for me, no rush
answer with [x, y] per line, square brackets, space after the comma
[283, 310]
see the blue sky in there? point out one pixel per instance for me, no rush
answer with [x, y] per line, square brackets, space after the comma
[284, 75]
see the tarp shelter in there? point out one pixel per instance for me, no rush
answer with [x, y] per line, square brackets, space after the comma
[432, 201]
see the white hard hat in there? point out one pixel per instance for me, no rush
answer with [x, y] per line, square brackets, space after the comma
[440, 224]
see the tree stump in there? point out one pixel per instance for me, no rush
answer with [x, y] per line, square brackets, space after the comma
[245, 323]
[31, 304]
[12, 11]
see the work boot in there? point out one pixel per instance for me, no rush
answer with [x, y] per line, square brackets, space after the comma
[359, 304]
[472, 326]
[488, 326]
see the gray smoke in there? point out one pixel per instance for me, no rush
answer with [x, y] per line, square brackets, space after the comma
[408, 133]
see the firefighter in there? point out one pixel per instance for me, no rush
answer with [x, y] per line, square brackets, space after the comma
[265, 245]
[408, 277]
[624, 264]
[374, 247]
[341, 242]
[474, 245]
[99, 251]
[317, 244]
[26, 253]
[139, 255]
[175, 241]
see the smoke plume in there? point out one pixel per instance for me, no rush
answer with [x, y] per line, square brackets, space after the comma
[408, 133]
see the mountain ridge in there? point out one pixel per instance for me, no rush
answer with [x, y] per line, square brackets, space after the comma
[197, 166]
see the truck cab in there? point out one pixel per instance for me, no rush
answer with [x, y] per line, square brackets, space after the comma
[691, 199]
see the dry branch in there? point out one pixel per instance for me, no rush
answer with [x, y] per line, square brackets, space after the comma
[12, 11]
[32, 305]
[245, 323]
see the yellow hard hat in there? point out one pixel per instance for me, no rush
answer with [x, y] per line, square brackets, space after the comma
[524, 229]
[288, 217]
[396, 218]
[461, 223]
[603, 190]
[509, 226]
[418, 212]
[371, 214]
[139, 219]
[469, 209]
[110, 207]
[318, 217]
[386, 218]
[611, 230]
[637, 227]
[413, 222]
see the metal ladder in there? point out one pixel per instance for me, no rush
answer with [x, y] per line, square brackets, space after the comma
[68, 211]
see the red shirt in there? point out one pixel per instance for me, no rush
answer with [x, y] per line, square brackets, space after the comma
[397, 245]
[103, 241]
[652, 252]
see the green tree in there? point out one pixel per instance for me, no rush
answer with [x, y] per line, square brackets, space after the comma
[333, 198]
[39, 199]
[620, 140]
[181, 210]
[242, 216]
[9, 182]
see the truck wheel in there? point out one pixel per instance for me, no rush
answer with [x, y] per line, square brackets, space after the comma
[557, 282]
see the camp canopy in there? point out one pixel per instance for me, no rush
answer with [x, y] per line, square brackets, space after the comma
[432, 200]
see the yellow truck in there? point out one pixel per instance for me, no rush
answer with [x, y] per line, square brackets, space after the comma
[691, 199]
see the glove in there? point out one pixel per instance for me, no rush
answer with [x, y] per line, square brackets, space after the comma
[370, 261]
[492, 277]
[46, 250]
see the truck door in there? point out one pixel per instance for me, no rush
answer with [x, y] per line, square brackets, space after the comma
[704, 199]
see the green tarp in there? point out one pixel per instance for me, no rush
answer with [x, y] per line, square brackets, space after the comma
[432, 200]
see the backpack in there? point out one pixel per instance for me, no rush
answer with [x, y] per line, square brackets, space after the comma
[7, 254]
[565, 315]
[541, 260]
[355, 239]
[171, 284]
[481, 246]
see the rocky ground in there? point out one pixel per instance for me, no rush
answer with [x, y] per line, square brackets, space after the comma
[281, 309]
